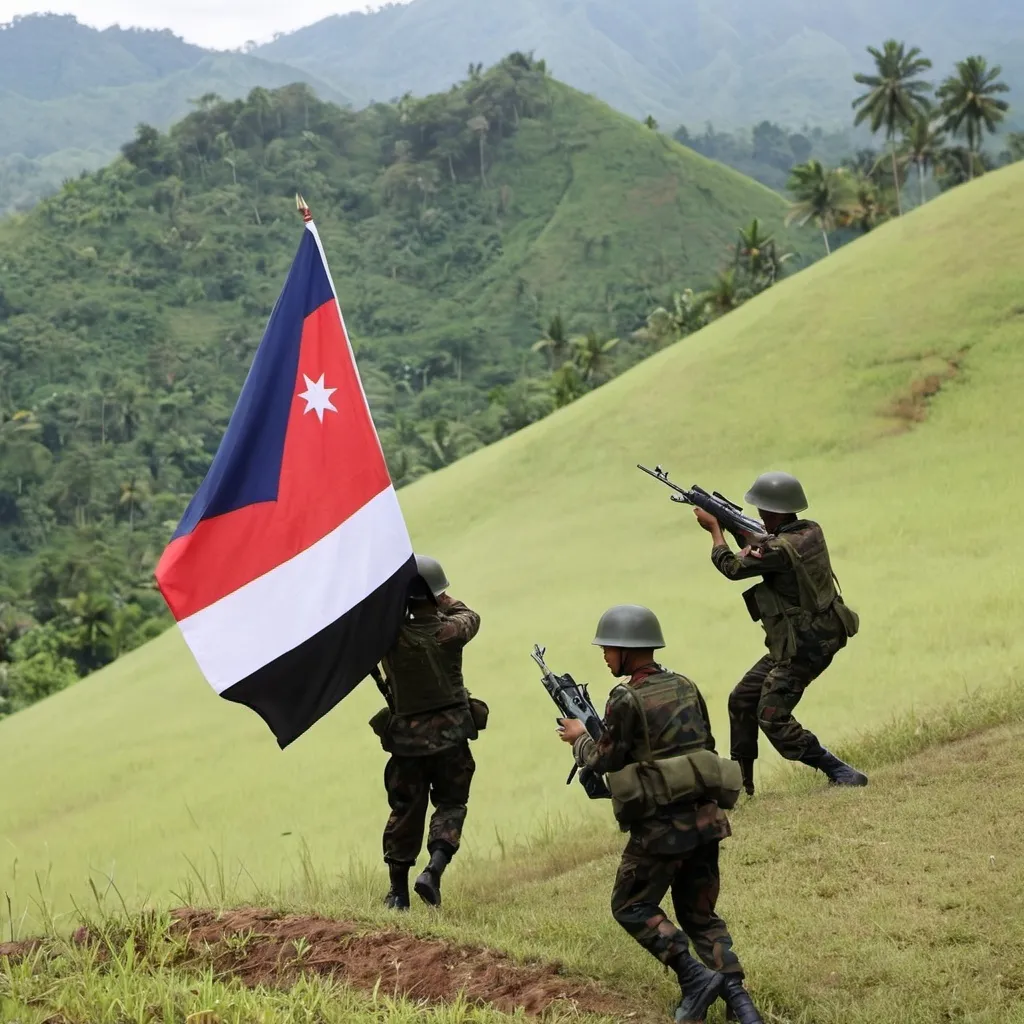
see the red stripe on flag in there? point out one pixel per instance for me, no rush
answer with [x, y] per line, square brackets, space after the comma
[330, 469]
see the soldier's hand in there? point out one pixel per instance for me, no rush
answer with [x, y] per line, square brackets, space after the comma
[444, 600]
[706, 519]
[570, 729]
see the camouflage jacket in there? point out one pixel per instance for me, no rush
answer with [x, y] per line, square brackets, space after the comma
[680, 828]
[811, 611]
[434, 731]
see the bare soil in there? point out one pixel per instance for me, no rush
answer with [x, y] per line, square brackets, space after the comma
[280, 948]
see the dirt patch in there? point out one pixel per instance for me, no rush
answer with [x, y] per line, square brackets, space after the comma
[263, 948]
[16, 951]
[912, 406]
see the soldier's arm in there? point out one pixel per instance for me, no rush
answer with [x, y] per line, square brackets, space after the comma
[749, 562]
[611, 751]
[710, 745]
[459, 623]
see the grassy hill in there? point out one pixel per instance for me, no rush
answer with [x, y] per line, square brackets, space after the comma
[887, 377]
[847, 908]
[458, 226]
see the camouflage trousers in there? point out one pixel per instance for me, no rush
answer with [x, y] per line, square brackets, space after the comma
[444, 778]
[640, 886]
[765, 698]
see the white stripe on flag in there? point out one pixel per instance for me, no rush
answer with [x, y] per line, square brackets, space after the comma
[273, 614]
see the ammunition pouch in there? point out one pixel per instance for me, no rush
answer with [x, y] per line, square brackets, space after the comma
[847, 616]
[381, 725]
[777, 618]
[479, 712]
[641, 789]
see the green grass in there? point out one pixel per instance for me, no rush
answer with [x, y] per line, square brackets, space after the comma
[617, 212]
[140, 767]
[891, 905]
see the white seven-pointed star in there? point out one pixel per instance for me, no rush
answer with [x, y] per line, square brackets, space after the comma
[317, 397]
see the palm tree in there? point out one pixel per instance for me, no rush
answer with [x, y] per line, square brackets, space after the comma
[591, 355]
[922, 144]
[1014, 148]
[726, 292]
[689, 313]
[869, 207]
[957, 165]
[896, 95]
[566, 385]
[969, 102]
[134, 493]
[90, 615]
[555, 342]
[758, 257]
[822, 195]
[444, 441]
[479, 126]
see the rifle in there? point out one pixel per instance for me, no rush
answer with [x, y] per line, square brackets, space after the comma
[383, 687]
[574, 702]
[730, 515]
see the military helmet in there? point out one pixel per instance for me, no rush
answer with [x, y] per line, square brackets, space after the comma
[432, 573]
[777, 492]
[629, 625]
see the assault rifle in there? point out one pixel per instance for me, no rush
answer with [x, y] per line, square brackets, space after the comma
[574, 702]
[730, 515]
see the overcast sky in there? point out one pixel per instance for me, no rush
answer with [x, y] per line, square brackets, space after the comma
[221, 24]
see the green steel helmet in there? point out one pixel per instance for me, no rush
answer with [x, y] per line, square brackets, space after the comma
[777, 492]
[432, 573]
[629, 625]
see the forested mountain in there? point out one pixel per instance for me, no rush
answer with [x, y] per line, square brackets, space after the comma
[71, 95]
[44, 57]
[731, 62]
[476, 236]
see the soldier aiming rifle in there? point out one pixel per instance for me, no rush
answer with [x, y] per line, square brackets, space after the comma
[805, 620]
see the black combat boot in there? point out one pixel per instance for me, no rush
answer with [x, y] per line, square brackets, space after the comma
[398, 895]
[428, 885]
[839, 772]
[747, 772]
[739, 1006]
[700, 988]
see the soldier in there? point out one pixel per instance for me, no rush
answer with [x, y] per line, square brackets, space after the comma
[426, 728]
[659, 716]
[806, 624]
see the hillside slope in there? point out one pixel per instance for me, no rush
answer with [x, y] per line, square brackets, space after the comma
[727, 61]
[845, 907]
[888, 377]
[453, 245]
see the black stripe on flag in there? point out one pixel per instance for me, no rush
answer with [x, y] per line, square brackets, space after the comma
[298, 688]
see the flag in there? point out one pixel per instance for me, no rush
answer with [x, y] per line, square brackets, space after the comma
[287, 574]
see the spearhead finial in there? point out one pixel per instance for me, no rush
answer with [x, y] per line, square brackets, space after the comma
[300, 205]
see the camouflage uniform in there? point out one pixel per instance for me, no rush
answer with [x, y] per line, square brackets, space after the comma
[677, 848]
[806, 624]
[430, 755]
